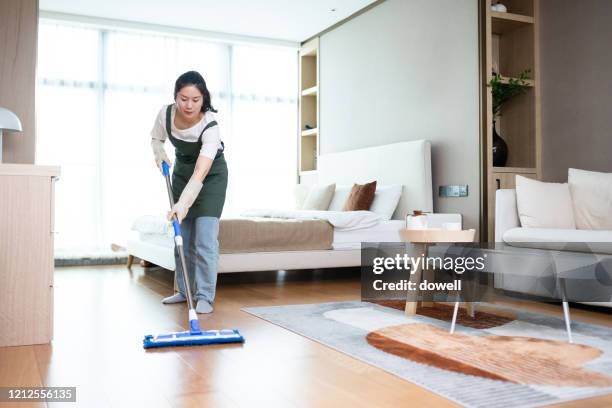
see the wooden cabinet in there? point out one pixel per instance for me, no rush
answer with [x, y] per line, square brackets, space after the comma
[26, 253]
[506, 177]
[511, 47]
[308, 134]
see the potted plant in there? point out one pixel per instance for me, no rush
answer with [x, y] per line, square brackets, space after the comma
[503, 91]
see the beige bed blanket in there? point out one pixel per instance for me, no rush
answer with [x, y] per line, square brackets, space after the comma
[238, 235]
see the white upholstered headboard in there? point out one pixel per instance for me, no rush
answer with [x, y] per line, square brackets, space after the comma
[405, 163]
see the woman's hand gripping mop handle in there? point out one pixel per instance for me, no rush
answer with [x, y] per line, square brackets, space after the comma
[178, 241]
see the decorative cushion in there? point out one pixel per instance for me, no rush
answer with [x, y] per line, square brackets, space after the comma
[360, 197]
[591, 194]
[340, 195]
[544, 205]
[386, 199]
[319, 197]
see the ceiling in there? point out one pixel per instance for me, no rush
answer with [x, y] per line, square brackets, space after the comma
[289, 20]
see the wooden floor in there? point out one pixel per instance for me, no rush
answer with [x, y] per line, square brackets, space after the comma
[102, 313]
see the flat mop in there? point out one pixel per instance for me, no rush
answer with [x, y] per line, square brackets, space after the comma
[195, 336]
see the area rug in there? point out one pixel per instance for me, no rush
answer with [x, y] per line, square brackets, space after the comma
[510, 358]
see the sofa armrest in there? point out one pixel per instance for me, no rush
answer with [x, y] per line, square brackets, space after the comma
[506, 213]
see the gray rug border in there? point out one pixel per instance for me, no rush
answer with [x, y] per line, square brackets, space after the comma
[252, 311]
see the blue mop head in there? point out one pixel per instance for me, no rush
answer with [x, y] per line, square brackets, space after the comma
[192, 338]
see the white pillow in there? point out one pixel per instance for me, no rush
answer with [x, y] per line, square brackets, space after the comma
[386, 199]
[300, 192]
[544, 205]
[151, 224]
[319, 197]
[591, 193]
[340, 196]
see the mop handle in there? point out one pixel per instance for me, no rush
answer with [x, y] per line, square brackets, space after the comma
[175, 223]
[178, 240]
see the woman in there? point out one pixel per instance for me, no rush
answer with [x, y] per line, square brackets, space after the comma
[199, 182]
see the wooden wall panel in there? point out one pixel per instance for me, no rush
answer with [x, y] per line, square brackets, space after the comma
[18, 48]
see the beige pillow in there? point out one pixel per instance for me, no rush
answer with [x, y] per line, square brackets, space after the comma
[591, 193]
[544, 205]
[319, 197]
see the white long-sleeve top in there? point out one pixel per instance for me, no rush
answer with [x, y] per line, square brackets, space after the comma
[211, 140]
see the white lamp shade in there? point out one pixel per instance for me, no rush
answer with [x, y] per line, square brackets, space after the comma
[9, 121]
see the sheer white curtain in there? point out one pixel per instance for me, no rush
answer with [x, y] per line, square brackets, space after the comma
[98, 94]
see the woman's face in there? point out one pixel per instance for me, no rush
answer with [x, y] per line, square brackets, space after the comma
[189, 101]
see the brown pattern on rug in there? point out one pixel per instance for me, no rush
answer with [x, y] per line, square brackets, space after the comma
[440, 311]
[521, 360]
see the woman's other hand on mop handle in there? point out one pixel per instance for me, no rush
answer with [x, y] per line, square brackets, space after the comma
[192, 189]
[187, 198]
[180, 210]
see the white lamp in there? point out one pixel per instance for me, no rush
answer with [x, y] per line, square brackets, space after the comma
[8, 121]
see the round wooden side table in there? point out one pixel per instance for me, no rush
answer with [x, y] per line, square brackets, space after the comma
[422, 239]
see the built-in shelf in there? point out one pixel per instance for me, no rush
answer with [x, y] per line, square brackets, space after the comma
[308, 108]
[309, 132]
[511, 46]
[310, 91]
[502, 23]
[528, 82]
[523, 170]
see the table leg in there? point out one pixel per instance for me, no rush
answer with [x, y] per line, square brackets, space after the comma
[428, 275]
[413, 295]
[471, 294]
[471, 309]
[455, 312]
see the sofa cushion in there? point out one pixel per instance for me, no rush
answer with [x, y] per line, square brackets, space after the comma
[560, 239]
[591, 193]
[544, 205]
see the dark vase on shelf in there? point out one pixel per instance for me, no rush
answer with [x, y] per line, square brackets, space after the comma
[500, 150]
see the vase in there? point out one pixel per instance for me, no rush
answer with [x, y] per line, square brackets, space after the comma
[499, 7]
[500, 149]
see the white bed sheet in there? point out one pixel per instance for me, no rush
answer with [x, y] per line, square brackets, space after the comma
[384, 231]
[345, 220]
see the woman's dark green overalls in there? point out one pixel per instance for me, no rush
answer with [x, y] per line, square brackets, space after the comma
[212, 196]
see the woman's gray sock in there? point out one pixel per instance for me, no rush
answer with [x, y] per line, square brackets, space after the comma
[176, 298]
[203, 307]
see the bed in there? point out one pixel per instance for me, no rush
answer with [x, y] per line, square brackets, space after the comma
[405, 163]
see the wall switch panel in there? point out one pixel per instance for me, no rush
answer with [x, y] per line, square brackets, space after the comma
[453, 191]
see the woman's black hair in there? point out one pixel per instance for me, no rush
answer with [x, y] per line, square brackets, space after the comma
[194, 78]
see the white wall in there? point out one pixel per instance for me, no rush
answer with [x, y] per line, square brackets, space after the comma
[406, 70]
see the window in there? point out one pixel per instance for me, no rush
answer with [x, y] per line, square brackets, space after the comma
[98, 94]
